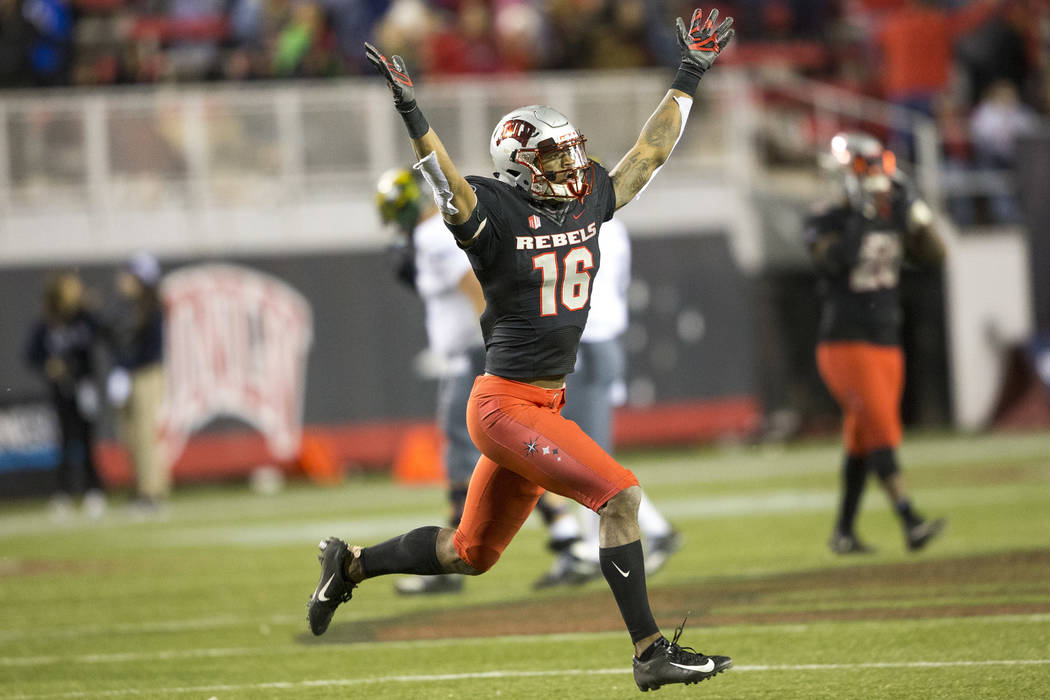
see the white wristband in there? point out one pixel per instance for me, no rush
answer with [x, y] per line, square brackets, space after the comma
[438, 182]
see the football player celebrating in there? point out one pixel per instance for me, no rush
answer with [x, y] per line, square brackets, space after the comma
[858, 246]
[531, 233]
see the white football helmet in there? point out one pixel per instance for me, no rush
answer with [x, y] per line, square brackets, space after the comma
[537, 149]
[864, 162]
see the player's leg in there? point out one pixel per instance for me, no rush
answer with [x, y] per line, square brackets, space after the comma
[881, 392]
[460, 457]
[601, 368]
[519, 426]
[842, 368]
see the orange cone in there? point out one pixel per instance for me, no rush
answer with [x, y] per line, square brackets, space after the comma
[419, 457]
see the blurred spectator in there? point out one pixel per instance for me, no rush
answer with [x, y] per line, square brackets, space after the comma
[136, 382]
[14, 38]
[50, 40]
[464, 43]
[995, 126]
[950, 114]
[916, 45]
[62, 348]
[400, 30]
[997, 50]
[521, 36]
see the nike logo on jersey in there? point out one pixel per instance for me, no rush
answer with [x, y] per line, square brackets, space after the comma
[477, 233]
[556, 240]
[623, 573]
[705, 667]
[321, 594]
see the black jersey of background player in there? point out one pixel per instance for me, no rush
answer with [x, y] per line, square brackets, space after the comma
[859, 282]
[536, 265]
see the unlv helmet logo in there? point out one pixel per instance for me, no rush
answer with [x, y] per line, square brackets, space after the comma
[517, 129]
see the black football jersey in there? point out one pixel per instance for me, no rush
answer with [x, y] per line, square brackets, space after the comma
[859, 285]
[536, 265]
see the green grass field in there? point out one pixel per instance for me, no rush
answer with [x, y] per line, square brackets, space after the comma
[210, 601]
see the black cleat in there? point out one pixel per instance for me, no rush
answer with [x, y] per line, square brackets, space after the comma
[333, 588]
[843, 543]
[660, 550]
[429, 585]
[920, 535]
[670, 663]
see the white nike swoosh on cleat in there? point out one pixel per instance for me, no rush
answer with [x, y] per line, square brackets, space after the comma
[703, 668]
[623, 573]
[321, 594]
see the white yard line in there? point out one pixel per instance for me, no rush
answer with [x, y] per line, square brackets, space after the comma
[490, 675]
[222, 652]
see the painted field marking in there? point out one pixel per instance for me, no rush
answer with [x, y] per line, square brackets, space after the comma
[489, 675]
[74, 631]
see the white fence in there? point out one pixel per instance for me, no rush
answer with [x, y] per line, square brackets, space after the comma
[213, 170]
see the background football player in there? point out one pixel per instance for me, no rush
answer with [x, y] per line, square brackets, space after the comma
[592, 391]
[531, 233]
[432, 264]
[858, 245]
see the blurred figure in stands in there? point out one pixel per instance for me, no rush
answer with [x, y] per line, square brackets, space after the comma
[136, 382]
[62, 348]
[995, 125]
[858, 245]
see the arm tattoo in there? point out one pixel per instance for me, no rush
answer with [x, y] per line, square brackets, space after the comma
[654, 145]
[631, 176]
[659, 132]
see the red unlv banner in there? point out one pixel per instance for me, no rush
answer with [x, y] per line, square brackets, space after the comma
[235, 345]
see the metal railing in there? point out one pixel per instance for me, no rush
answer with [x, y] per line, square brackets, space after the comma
[194, 169]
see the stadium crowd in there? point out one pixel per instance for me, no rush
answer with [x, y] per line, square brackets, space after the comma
[980, 67]
[93, 42]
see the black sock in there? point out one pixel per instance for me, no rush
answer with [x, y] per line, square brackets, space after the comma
[909, 518]
[624, 569]
[414, 552]
[854, 477]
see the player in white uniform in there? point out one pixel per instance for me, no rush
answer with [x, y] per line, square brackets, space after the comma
[593, 390]
[440, 273]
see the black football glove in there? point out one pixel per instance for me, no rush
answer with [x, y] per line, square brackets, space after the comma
[393, 69]
[703, 42]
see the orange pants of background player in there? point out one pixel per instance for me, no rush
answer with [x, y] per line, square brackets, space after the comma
[866, 381]
[527, 448]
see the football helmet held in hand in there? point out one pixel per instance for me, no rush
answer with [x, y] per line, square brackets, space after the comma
[537, 149]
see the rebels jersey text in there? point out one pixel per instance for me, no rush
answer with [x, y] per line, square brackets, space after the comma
[859, 279]
[536, 267]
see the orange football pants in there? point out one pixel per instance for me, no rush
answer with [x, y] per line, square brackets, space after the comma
[866, 381]
[527, 448]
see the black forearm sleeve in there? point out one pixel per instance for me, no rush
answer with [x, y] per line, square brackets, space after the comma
[414, 120]
[687, 78]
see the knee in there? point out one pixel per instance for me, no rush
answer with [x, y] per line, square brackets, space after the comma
[623, 505]
[473, 562]
[481, 559]
[884, 463]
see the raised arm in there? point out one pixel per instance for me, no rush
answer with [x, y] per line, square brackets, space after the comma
[454, 196]
[699, 46]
